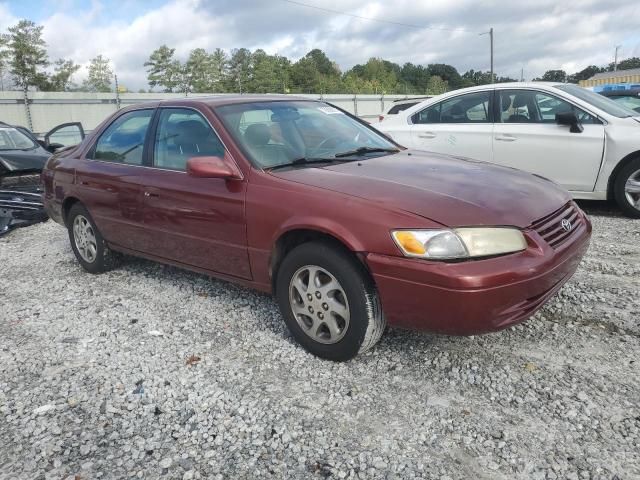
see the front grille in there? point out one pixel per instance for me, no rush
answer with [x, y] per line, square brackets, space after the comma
[551, 228]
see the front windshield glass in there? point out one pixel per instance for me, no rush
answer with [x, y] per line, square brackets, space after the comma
[274, 133]
[603, 103]
[13, 139]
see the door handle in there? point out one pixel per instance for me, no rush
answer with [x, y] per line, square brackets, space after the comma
[150, 194]
[427, 135]
[505, 138]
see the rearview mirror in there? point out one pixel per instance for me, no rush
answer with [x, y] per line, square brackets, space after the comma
[211, 167]
[569, 118]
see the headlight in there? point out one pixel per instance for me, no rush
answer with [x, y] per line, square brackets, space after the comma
[459, 243]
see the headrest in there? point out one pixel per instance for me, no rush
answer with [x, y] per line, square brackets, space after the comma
[506, 102]
[257, 134]
[190, 131]
[520, 100]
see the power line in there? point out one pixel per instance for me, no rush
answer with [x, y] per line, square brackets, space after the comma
[374, 19]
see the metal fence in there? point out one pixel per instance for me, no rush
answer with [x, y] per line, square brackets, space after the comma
[40, 111]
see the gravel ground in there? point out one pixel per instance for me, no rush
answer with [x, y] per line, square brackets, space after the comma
[152, 372]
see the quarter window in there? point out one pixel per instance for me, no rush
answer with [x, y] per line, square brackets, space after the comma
[123, 140]
[182, 134]
[469, 108]
[529, 106]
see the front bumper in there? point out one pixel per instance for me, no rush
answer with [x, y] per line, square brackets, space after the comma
[20, 201]
[478, 296]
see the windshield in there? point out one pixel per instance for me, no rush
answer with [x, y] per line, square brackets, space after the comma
[13, 139]
[603, 103]
[274, 133]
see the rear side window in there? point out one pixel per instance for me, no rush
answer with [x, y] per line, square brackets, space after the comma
[400, 108]
[123, 140]
[183, 133]
[469, 108]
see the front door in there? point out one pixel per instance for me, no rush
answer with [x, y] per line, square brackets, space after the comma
[526, 136]
[459, 125]
[194, 221]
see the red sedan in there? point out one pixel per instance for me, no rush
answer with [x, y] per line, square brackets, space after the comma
[349, 230]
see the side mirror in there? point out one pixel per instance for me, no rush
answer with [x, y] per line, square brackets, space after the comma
[570, 119]
[211, 167]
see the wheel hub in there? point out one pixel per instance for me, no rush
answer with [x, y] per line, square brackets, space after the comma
[319, 304]
[632, 189]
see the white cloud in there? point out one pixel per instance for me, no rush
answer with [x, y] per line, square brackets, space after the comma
[535, 36]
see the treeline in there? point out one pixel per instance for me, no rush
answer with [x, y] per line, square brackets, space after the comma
[242, 70]
[25, 64]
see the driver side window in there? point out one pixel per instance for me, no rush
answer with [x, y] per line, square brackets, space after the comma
[123, 140]
[182, 134]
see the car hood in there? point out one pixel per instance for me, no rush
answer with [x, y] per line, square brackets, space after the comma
[449, 190]
[16, 160]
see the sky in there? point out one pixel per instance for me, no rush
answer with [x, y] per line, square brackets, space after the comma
[531, 35]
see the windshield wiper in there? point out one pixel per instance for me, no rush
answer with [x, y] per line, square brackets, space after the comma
[304, 161]
[363, 150]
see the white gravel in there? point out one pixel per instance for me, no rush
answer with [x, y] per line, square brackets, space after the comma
[152, 372]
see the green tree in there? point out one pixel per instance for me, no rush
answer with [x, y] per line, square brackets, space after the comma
[100, 75]
[60, 81]
[315, 73]
[163, 70]
[446, 73]
[413, 79]
[584, 74]
[28, 54]
[627, 64]
[219, 69]
[473, 77]
[240, 68]
[199, 71]
[437, 85]
[380, 75]
[553, 76]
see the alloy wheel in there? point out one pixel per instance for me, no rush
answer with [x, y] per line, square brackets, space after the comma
[632, 189]
[319, 304]
[85, 238]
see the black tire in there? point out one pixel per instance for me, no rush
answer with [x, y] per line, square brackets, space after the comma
[104, 259]
[366, 323]
[619, 183]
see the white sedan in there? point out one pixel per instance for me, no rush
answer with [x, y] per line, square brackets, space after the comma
[573, 136]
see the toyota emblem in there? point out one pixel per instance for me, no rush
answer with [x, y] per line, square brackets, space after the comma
[566, 225]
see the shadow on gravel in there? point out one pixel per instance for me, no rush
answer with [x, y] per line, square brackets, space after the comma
[601, 208]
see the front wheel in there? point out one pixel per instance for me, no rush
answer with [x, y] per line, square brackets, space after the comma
[328, 301]
[626, 188]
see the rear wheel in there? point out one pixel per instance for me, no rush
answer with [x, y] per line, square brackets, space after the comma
[626, 188]
[329, 301]
[87, 243]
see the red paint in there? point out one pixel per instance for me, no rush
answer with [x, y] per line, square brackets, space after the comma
[226, 217]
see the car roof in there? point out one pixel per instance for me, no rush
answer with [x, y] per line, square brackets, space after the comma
[229, 99]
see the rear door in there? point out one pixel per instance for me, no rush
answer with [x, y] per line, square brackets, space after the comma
[109, 182]
[527, 137]
[194, 221]
[459, 125]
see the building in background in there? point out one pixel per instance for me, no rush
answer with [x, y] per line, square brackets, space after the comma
[618, 80]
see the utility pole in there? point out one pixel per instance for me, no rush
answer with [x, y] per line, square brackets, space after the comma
[615, 58]
[522, 74]
[490, 33]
